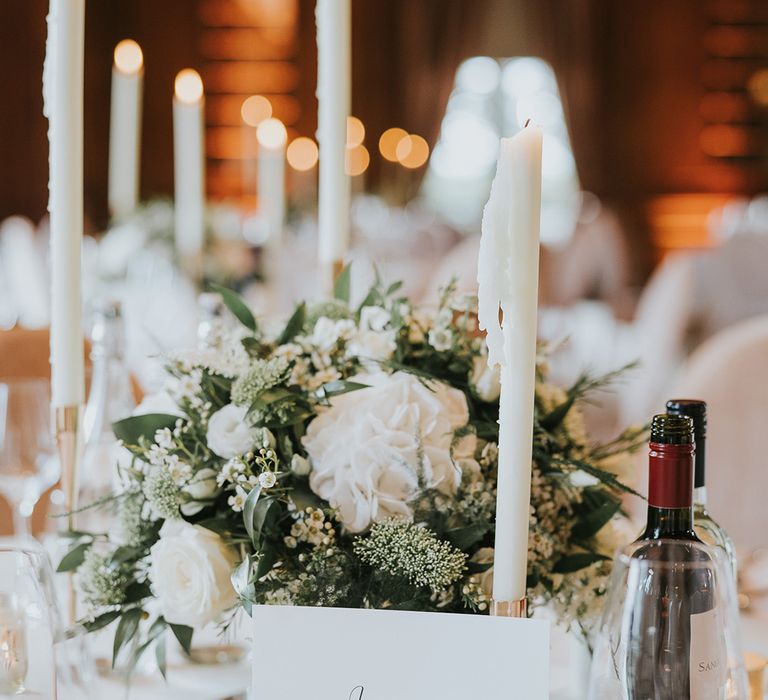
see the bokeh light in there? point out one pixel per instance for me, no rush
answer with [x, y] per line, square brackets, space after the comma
[128, 57]
[479, 75]
[271, 133]
[302, 154]
[412, 151]
[357, 160]
[388, 143]
[255, 109]
[758, 86]
[355, 132]
[188, 86]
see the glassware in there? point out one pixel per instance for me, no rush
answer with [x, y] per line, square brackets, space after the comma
[28, 464]
[110, 399]
[38, 657]
[669, 629]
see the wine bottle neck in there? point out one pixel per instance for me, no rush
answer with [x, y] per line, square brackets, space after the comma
[699, 479]
[671, 523]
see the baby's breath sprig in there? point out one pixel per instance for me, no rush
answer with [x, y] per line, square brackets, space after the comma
[415, 553]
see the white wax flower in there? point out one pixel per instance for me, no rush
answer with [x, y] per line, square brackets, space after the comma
[370, 447]
[189, 570]
[229, 435]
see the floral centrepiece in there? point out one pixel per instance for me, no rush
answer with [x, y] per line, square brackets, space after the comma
[346, 458]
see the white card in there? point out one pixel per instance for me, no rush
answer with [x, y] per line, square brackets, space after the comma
[342, 654]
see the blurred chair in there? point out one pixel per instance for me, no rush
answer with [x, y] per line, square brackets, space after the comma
[730, 372]
[24, 354]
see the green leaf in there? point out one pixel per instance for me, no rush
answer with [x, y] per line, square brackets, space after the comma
[251, 345]
[74, 557]
[160, 656]
[294, 325]
[464, 537]
[576, 562]
[101, 621]
[137, 591]
[130, 430]
[125, 553]
[234, 302]
[338, 387]
[183, 635]
[126, 629]
[241, 576]
[594, 512]
[266, 562]
[557, 414]
[341, 287]
[260, 514]
[249, 508]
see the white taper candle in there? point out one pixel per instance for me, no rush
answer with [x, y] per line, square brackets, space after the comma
[125, 128]
[508, 277]
[189, 163]
[63, 106]
[333, 101]
[272, 137]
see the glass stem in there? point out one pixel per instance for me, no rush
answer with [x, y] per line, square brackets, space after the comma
[21, 526]
[700, 496]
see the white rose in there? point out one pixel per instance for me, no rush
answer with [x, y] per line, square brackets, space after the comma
[485, 380]
[200, 489]
[190, 569]
[228, 433]
[370, 447]
[374, 318]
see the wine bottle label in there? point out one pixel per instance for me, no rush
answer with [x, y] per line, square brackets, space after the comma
[708, 659]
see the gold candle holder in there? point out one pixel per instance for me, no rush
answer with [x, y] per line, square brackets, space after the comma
[68, 427]
[509, 608]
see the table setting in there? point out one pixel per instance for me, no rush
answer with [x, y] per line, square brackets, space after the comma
[272, 471]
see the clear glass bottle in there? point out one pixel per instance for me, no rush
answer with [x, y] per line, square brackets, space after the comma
[706, 527]
[110, 399]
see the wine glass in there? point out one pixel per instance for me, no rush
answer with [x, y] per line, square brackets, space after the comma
[39, 658]
[670, 626]
[28, 465]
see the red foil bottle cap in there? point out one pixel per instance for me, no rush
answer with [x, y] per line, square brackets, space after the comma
[670, 478]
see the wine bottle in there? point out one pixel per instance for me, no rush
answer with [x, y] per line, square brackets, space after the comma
[675, 592]
[706, 527]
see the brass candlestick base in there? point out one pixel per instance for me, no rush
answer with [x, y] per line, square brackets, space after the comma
[68, 427]
[329, 273]
[509, 608]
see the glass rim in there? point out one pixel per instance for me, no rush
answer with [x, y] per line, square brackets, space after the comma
[716, 560]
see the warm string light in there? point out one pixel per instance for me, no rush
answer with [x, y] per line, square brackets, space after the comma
[188, 86]
[357, 160]
[271, 133]
[302, 154]
[412, 151]
[255, 109]
[355, 132]
[388, 143]
[129, 59]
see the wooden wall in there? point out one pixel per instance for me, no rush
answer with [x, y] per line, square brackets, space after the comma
[665, 94]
